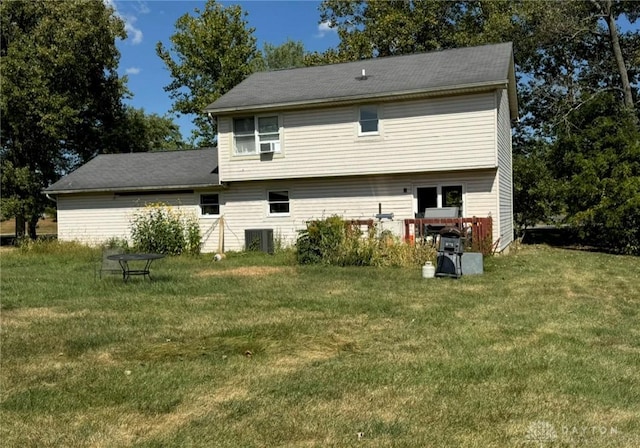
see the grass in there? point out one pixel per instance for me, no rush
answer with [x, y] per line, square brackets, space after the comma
[254, 351]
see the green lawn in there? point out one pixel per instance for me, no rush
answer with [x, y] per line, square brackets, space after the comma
[254, 351]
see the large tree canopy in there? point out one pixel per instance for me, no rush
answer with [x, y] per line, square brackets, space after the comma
[61, 94]
[211, 52]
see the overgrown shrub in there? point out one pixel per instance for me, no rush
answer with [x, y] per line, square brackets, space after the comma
[337, 242]
[161, 229]
[320, 241]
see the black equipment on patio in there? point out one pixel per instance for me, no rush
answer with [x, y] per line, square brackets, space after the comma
[450, 253]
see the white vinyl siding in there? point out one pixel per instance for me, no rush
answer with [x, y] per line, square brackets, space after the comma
[505, 176]
[349, 197]
[431, 135]
[95, 218]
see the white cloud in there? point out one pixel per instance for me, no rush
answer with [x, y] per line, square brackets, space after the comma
[142, 8]
[133, 33]
[132, 71]
[324, 28]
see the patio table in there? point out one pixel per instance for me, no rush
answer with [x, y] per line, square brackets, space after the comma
[136, 268]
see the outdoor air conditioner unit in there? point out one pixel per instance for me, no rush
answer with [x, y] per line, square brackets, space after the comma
[269, 147]
[259, 240]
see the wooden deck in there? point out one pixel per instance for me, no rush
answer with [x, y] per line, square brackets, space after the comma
[478, 231]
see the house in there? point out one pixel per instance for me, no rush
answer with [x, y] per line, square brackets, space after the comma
[405, 135]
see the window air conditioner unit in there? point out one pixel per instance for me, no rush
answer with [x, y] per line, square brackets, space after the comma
[269, 147]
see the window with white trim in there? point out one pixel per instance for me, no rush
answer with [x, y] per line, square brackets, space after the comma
[452, 196]
[209, 204]
[256, 135]
[439, 196]
[368, 120]
[278, 202]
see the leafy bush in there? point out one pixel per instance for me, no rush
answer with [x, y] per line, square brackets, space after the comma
[320, 241]
[161, 229]
[336, 242]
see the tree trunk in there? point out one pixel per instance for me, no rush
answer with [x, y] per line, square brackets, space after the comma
[617, 52]
[33, 225]
[20, 223]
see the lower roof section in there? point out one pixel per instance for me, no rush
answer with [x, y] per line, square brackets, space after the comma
[164, 170]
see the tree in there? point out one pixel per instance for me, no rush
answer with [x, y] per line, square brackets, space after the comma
[288, 55]
[572, 51]
[143, 132]
[214, 51]
[384, 28]
[609, 11]
[597, 159]
[61, 95]
[330, 56]
[535, 190]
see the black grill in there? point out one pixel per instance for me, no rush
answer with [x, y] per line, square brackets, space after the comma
[450, 253]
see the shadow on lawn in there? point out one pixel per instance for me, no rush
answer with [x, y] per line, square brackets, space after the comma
[562, 237]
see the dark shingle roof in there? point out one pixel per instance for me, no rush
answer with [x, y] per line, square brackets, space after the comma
[425, 72]
[142, 171]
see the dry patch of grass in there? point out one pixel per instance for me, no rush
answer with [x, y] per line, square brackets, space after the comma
[200, 403]
[25, 317]
[248, 271]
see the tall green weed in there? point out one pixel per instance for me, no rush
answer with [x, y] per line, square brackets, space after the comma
[335, 241]
[159, 228]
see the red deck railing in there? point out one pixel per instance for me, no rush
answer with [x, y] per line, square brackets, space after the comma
[478, 231]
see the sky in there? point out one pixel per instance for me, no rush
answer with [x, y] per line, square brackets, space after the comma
[153, 21]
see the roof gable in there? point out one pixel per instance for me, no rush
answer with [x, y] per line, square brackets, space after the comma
[142, 171]
[456, 69]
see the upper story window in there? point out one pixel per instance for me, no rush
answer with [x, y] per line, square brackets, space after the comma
[256, 135]
[209, 204]
[368, 120]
